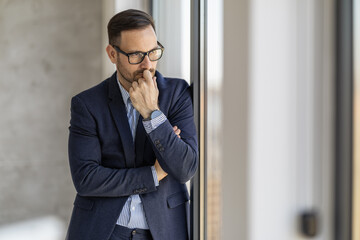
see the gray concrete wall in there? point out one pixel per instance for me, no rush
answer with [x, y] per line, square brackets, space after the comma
[49, 51]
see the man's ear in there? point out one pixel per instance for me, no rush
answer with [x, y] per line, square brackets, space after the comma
[111, 52]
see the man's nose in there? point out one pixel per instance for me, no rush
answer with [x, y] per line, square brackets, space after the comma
[146, 63]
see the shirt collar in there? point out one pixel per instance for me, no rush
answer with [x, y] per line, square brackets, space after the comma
[125, 95]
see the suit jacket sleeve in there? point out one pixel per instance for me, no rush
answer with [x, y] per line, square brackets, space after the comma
[178, 157]
[89, 176]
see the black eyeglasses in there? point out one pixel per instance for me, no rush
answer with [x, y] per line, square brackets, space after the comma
[138, 57]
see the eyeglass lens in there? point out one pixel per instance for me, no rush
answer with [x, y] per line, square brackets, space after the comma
[138, 57]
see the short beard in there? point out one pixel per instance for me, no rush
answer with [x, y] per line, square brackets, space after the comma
[136, 75]
[130, 81]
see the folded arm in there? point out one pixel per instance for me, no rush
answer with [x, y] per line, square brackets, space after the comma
[178, 156]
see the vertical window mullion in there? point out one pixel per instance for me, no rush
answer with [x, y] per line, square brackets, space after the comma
[198, 82]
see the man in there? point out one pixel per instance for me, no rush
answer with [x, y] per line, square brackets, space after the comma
[128, 163]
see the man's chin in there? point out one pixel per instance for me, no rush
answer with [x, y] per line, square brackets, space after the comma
[137, 77]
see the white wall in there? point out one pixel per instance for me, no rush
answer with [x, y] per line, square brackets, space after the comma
[235, 147]
[278, 120]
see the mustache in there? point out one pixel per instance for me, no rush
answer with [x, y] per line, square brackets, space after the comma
[152, 71]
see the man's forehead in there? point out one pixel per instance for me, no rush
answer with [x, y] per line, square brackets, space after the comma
[138, 40]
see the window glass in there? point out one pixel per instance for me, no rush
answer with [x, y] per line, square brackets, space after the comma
[214, 75]
[172, 22]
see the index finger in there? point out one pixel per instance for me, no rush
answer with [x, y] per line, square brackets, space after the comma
[147, 75]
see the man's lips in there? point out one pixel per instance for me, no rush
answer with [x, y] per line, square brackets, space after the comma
[141, 74]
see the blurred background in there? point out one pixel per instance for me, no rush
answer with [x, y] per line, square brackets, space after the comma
[277, 105]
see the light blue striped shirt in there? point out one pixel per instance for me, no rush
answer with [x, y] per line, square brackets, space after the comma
[132, 214]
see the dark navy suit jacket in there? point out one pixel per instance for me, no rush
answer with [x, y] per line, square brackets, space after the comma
[106, 166]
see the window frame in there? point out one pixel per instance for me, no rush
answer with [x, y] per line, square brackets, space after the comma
[198, 81]
[344, 124]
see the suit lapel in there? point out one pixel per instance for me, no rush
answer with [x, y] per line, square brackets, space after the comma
[118, 111]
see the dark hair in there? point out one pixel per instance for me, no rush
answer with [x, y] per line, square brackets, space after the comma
[128, 20]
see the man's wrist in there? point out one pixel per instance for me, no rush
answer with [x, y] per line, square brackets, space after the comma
[146, 115]
[152, 124]
[149, 115]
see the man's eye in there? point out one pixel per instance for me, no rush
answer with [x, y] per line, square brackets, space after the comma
[139, 54]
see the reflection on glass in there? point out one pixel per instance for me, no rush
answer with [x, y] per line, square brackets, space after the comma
[214, 82]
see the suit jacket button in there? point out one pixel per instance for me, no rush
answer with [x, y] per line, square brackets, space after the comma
[161, 149]
[156, 141]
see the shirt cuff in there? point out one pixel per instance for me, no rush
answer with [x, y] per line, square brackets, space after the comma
[152, 124]
[154, 176]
